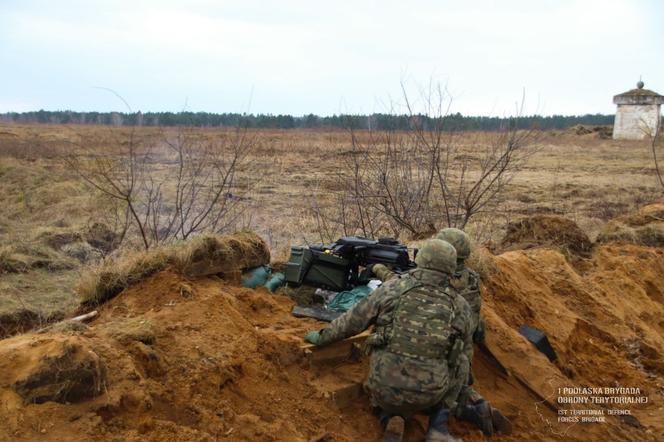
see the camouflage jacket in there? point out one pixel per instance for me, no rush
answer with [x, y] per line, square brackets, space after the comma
[398, 378]
[467, 283]
[464, 280]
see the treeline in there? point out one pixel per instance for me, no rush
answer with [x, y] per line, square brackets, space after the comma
[311, 121]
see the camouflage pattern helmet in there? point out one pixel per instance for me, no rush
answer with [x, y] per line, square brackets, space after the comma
[458, 239]
[437, 255]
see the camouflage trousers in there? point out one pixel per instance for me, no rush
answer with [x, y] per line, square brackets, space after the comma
[458, 382]
[402, 386]
[467, 395]
[409, 401]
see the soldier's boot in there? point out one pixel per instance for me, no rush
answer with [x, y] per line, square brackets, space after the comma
[500, 422]
[394, 428]
[438, 431]
[486, 418]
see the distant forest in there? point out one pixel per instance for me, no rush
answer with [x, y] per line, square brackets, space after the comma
[311, 121]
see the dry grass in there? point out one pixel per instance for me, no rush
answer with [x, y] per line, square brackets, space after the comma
[211, 254]
[547, 231]
[482, 261]
[645, 227]
[23, 257]
[12, 262]
[648, 235]
[117, 273]
[202, 255]
[48, 212]
[35, 298]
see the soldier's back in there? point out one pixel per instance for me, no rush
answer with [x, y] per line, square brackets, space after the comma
[412, 340]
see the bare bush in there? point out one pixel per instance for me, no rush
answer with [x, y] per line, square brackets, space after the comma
[413, 182]
[170, 187]
[656, 143]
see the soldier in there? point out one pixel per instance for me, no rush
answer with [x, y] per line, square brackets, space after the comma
[422, 338]
[471, 406]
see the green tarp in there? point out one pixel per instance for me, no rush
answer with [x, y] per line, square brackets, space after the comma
[345, 300]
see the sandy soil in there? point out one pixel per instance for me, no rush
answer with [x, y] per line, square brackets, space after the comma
[201, 359]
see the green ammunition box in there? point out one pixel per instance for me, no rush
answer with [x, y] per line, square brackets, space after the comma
[298, 264]
[328, 271]
[318, 269]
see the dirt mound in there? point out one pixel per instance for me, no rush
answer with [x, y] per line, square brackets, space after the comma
[605, 325]
[23, 320]
[648, 235]
[203, 255]
[546, 231]
[101, 237]
[178, 358]
[23, 257]
[55, 368]
[652, 213]
[646, 227]
[187, 360]
[602, 132]
[208, 254]
[58, 238]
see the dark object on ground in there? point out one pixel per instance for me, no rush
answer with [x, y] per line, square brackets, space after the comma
[539, 340]
[315, 312]
[630, 420]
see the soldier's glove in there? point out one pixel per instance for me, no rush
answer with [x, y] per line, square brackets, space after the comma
[480, 332]
[312, 337]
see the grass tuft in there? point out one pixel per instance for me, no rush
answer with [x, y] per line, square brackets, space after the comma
[200, 256]
[210, 254]
[547, 231]
[12, 262]
[482, 261]
[651, 235]
[115, 274]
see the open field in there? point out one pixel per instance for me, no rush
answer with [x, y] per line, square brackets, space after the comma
[47, 206]
[176, 350]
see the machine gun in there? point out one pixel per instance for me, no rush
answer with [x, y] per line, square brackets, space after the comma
[336, 266]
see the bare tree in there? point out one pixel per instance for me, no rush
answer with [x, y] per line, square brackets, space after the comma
[417, 180]
[655, 141]
[205, 195]
[167, 187]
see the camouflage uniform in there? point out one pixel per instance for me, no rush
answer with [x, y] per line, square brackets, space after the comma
[464, 280]
[418, 319]
[467, 284]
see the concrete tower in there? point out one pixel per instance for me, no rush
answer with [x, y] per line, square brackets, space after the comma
[638, 114]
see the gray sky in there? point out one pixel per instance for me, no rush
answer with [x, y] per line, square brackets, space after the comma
[296, 57]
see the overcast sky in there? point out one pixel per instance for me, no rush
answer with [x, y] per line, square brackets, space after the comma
[297, 57]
